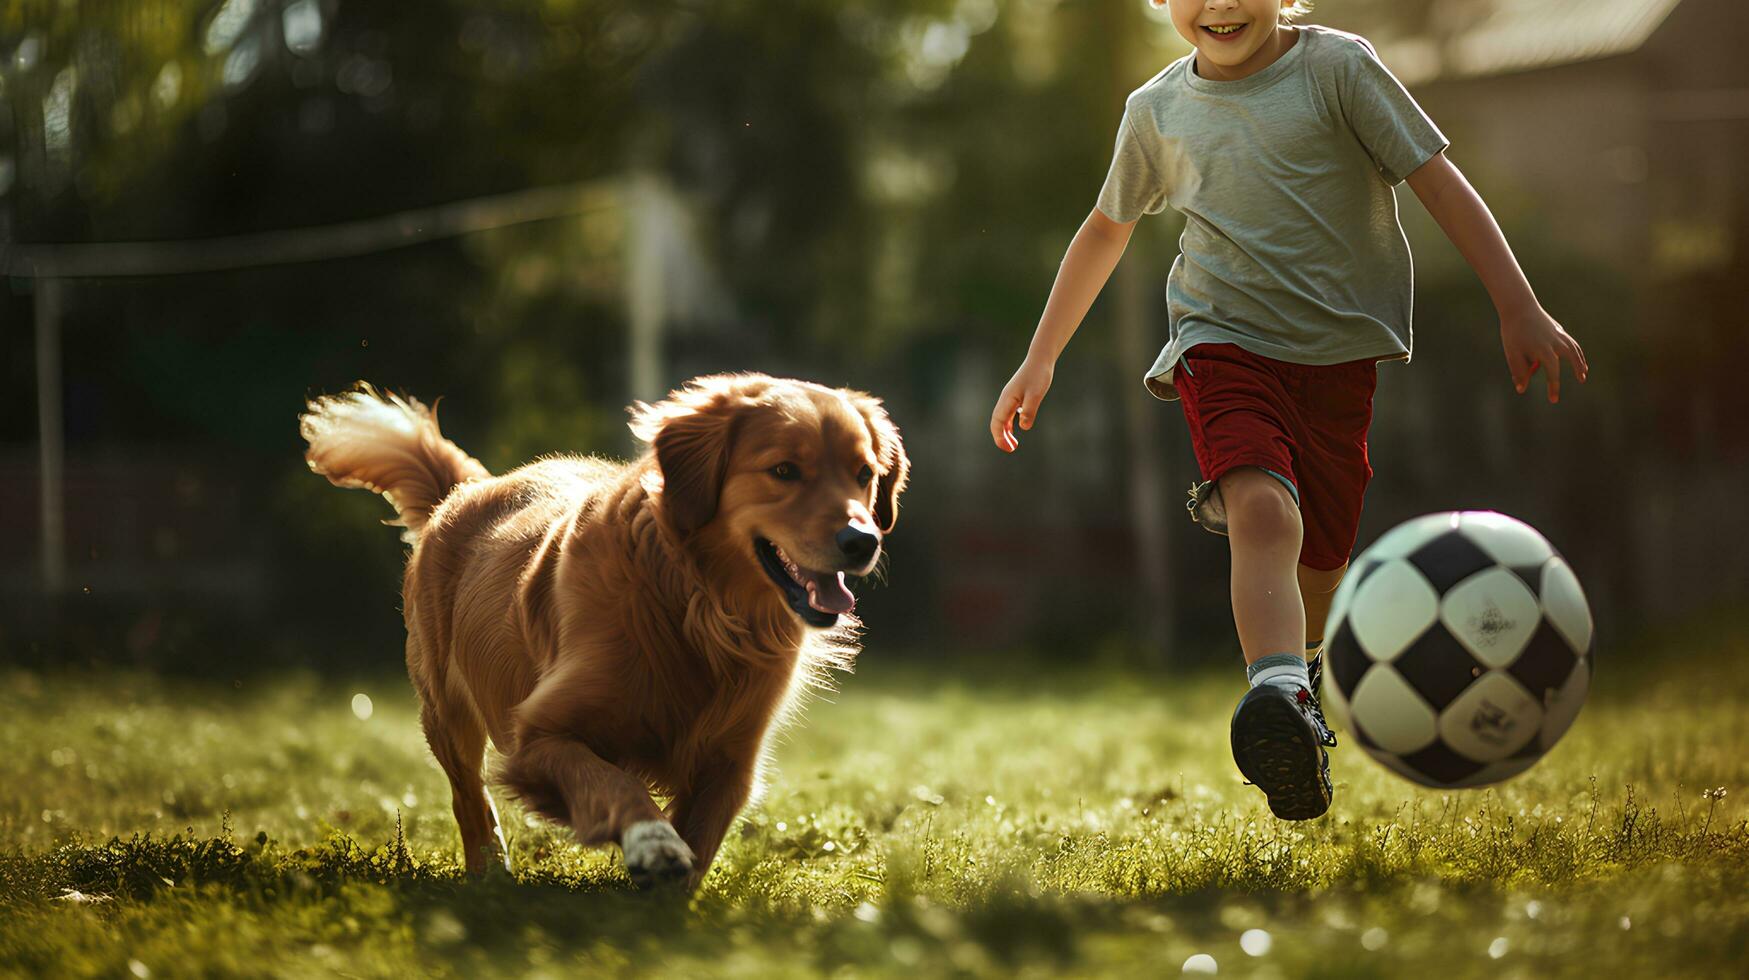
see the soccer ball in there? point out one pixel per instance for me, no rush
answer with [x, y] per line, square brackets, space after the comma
[1458, 649]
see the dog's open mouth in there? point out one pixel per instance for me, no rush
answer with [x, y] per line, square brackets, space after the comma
[817, 597]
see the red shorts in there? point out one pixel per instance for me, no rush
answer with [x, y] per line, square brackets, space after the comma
[1306, 423]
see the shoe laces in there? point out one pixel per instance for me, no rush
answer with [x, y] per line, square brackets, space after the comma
[1309, 701]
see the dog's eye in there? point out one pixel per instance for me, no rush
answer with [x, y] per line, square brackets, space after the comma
[786, 471]
[863, 476]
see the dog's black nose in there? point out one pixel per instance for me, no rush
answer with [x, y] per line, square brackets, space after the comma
[858, 545]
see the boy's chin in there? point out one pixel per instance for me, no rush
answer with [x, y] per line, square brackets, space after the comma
[1226, 54]
[1224, 58]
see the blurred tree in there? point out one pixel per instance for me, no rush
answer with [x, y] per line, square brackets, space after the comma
[886, 188]
[260, 114]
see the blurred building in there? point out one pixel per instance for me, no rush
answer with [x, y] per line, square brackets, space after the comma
[1627, 119]
[1620, 129]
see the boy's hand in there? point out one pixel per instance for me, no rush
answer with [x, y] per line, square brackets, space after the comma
[1534, 340]
[1023, 393]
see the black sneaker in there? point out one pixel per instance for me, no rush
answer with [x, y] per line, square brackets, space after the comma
[1278, 744]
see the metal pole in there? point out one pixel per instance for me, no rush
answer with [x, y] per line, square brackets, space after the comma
[1149, 501]
[50, 437]
[646, 304]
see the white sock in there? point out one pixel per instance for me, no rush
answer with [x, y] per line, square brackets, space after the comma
[1285, 670]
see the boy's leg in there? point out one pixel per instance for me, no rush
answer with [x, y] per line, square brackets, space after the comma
[1276, 741]
[1263, 529]
[1241, 411]
[1317, 591]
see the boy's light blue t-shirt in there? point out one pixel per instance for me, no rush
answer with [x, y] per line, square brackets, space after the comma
[1291, 246]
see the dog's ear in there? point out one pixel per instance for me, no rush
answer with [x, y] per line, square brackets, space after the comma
[890, 452]
[692, 432]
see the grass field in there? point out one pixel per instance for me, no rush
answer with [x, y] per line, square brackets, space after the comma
[977, 821]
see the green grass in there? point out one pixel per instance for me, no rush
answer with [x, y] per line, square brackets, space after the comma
[959, 821]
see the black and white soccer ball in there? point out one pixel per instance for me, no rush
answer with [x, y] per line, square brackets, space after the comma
[1458, 649]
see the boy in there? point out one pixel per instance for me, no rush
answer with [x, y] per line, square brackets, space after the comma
[1280, 145]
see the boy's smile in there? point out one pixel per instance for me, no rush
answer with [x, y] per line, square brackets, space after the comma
[1225, 32]
[1233, 38]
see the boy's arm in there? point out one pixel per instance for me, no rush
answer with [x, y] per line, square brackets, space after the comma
[1530, 336]
[1086, 267]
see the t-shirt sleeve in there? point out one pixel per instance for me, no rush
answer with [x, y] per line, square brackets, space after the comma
[1133, 186]
[1385, 117]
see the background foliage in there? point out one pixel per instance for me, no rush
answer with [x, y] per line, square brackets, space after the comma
[878, 194]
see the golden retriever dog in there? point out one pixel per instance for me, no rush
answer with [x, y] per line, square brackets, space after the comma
[623, 629]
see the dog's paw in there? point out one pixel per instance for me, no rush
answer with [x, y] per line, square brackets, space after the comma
[655, 854]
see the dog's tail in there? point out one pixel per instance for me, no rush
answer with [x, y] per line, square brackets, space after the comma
[388, 444]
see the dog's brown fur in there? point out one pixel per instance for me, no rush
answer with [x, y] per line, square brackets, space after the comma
[608, 625]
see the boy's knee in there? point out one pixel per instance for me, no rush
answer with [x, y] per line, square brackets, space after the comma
[1258, 505]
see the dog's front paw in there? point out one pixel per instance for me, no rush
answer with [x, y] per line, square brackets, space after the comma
[655, 854]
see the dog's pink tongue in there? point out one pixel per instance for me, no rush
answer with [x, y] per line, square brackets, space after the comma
[828, 594]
